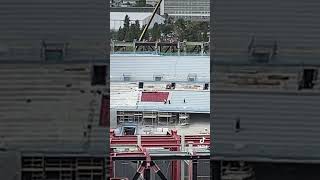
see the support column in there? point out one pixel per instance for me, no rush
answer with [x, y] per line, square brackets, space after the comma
[134, 46]
[202, 49]
[182, 162]
[156, 47]
[139, 140]
[176, 168]
[178, 46]
[185, 47]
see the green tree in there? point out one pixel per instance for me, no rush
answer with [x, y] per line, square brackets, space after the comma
[179, 29]
[141, 3]
[137, 30]
[155, 32]
[121, 34]
[126, 24]
[131, 33]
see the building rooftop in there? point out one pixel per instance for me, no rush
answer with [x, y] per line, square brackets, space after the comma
[195, 101]
[170, 68]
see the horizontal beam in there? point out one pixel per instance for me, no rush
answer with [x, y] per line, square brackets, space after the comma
[162, 157]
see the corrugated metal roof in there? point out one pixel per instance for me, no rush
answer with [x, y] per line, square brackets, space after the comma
[292, 23]
[46, 108]
[277, 120]
[196, 102]
[173, 68]
[272, 125]
[24, 24]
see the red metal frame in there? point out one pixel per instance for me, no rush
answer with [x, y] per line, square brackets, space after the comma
[171, 141]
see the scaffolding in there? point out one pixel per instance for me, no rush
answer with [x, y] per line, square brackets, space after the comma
[152, 118]
[147, 150]
[39, 167]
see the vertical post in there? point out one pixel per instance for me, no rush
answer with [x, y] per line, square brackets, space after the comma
[182, 162]
[178, 46]
[176, 168]
[185, 47]
[134, 46]
[202, 48]
[139, 140]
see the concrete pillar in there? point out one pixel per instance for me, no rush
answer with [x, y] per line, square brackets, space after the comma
[134, 46]
[178, 46]
[202, 48]
[156, 47]
[139, 140]
[182, 161]
[185, 47]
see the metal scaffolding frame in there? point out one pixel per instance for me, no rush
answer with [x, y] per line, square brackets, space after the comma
[155, 117]
[149, 148]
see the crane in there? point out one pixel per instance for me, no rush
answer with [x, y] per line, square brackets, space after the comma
[147, 26]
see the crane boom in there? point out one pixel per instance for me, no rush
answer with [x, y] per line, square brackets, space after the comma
[147, 26]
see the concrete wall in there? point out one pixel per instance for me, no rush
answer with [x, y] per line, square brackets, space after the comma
[47, 107]
[81, 23]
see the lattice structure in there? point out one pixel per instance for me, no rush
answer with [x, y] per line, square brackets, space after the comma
[146, 150]
[39, 167]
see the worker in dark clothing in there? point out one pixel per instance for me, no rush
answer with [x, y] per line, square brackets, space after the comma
[184, 100]
[169, 102]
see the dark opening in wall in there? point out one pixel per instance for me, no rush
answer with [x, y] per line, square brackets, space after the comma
[53, 54]
[99, 75]
[126, 77]
[192, 77]
[104, 111]
[129, 131]
[308, 78]
[157, 78]
[140, 85]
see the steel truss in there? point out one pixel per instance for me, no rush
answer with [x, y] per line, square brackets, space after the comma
[174, 147]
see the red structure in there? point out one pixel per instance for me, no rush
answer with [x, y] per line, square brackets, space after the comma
[172, 142]
[154, 96]
[104, 111]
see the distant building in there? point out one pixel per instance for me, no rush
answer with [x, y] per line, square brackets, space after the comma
[122, 3]
[187, 9]
[152, 2]
[117, 19]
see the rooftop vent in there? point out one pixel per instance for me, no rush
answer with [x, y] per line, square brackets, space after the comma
[262, 51]
[126, 77]
[53, 51]
[192, 77]
[157, 77]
